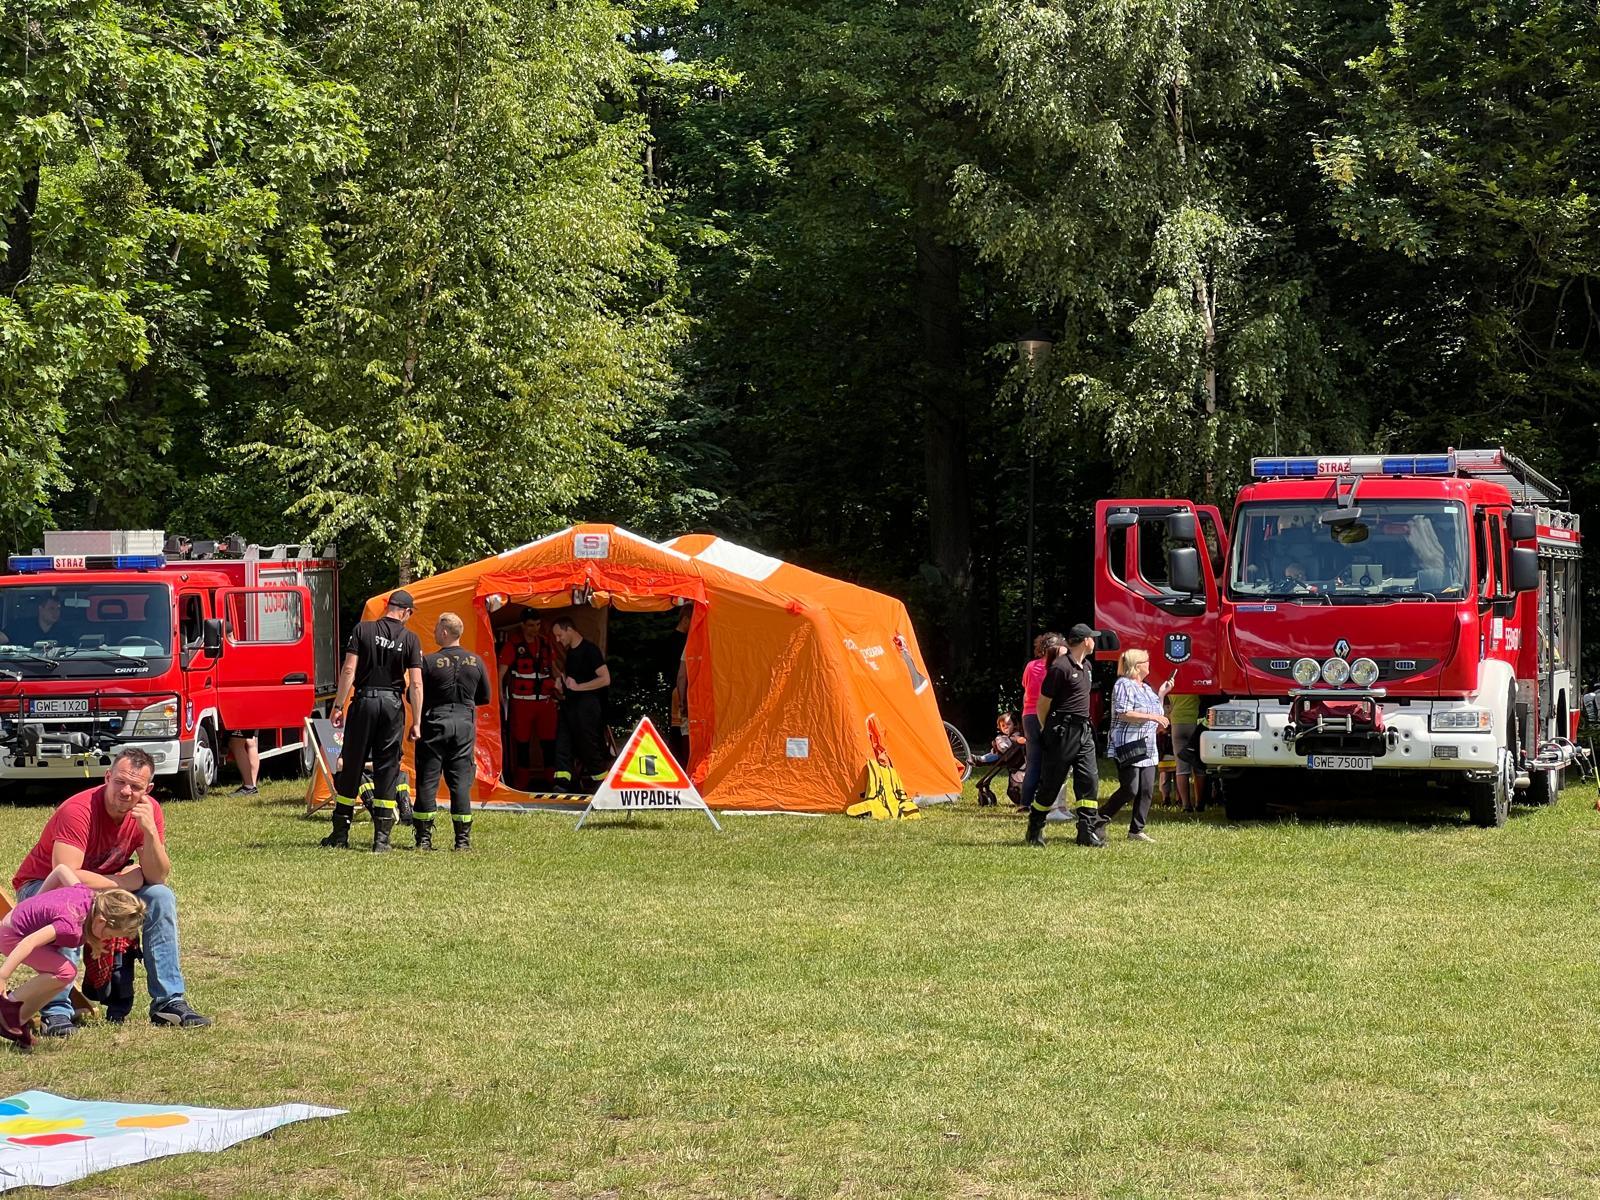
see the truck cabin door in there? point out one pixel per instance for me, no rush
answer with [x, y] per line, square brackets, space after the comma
[264, 677]
[1136, 596]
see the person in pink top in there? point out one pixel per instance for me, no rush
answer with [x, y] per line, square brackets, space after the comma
[64, 914]
[1032, 679]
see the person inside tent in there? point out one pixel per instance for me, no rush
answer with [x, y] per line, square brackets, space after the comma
[580, 730]
[526, 677]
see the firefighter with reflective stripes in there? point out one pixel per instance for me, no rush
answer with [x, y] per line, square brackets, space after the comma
[455, 683]
[1068, 740]
[526, 667]
[381, 658]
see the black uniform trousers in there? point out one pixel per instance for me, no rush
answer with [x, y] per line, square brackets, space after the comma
[1068, 751]
[372, 729]
[449, 737]
[581, 730]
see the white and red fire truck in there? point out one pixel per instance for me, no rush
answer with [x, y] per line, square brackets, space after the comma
[1410, 615]
[115, 638]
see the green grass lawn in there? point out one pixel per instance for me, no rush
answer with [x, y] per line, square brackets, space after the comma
[819, 1007]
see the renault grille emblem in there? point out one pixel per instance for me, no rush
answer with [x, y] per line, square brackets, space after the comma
[1342, 648]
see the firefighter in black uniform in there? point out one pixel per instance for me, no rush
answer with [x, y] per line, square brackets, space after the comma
[582, 722]
[380, 658]
[454, 684]
[1068, 740]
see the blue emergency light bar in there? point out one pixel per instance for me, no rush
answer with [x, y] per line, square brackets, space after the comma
[1313, 467]
[32, 564]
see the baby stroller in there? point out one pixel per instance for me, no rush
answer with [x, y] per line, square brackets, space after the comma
[1009, 755]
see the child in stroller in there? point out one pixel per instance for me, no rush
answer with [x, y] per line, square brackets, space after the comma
[1008, 752]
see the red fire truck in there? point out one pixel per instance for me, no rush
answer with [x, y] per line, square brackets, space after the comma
[1411, 616]
[114, 638]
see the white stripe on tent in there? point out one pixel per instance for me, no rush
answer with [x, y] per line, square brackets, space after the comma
[751, 564]
[536, 542]
[653, 545]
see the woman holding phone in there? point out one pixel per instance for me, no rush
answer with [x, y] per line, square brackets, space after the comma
[1135, 716]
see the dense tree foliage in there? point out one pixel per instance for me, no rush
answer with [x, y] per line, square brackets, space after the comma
[433, 277]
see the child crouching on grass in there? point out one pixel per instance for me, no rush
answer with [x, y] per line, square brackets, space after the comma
[64, 914]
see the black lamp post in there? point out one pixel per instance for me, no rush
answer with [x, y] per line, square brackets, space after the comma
[1033, 349]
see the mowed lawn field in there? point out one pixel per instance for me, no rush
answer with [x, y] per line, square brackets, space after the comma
[797, 1007]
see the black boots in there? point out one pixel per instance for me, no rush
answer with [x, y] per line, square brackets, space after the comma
[423, 828]
[343, 814]
[382, 826]
[1090, 826]
[463, 835]
[1036, 820]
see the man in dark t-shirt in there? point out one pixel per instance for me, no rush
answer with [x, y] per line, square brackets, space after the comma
[381, 658]
[1068, 740]
[581, 728]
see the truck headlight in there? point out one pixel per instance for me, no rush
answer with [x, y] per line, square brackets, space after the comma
[1307, 671]
[156, 721]
[1363, 672]
[1461, 720]
[1336, 671]
[1232, 718]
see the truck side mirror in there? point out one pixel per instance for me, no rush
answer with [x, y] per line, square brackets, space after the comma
[1524, 569]
[1522, 526]
[1183, 570]
[1180, 526]
[1121, 520]
[211, 637]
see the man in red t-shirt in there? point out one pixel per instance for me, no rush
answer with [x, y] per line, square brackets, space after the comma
[114, 836]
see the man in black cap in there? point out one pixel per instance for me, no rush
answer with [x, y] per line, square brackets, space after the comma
[455, 683]
[1068, 740]
[380, 659]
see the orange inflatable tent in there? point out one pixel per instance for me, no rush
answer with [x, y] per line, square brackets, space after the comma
[784, 665]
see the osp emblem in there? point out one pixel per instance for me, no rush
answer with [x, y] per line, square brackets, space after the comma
[1342, 648]
[1179, 647]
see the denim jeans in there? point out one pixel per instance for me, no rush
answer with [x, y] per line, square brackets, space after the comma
[158, 944]
[1030, 772]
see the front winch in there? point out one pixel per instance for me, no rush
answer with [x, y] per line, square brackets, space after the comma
[1322, 721]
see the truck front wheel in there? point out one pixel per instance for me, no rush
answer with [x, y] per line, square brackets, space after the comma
[1489, 801]
[195, 780]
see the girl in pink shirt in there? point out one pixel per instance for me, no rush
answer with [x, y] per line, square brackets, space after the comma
[65, 913]
[1032, 681]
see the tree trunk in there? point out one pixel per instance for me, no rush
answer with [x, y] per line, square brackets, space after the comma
[19, 235]
[944, 408]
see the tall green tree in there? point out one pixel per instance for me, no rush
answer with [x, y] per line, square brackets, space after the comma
[1461, 151]
[1122, 203]
[499, 313]
[160, 162]
[845, 330]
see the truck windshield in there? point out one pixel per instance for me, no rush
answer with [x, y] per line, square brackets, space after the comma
[89, 625]
[1394, 548]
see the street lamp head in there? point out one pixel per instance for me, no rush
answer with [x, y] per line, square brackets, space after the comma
[1033, 348]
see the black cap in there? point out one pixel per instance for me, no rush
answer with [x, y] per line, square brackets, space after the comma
[401, 599]
[1080, 631]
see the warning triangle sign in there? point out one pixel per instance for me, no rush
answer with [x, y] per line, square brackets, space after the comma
[645, 762]
[646, 778]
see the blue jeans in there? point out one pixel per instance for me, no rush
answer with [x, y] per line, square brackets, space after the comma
[158, 944]
[1030, 770]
